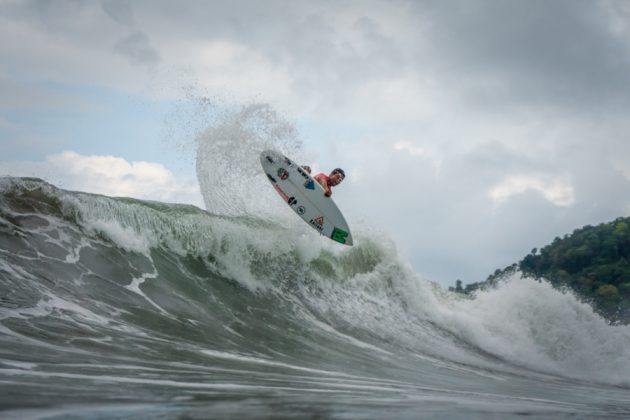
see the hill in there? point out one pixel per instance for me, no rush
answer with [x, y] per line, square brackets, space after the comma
[593, 262]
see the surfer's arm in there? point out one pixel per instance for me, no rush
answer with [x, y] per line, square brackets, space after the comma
[327, 190]
[322, 180]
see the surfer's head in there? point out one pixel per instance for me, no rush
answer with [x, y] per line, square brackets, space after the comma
[336, 176]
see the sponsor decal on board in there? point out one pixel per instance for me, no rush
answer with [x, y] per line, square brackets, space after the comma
[283, 173]
[309, 185]
[292, 201]
[269, 159]
[317, 223]
[301, 210]
[272, 179]
[302, 172]
[339, 235]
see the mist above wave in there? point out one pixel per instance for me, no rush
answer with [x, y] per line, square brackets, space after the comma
[228, 168]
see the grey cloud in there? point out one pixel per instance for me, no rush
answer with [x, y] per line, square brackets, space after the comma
[383, 55]
[54, 16]
[138, 48]
[493, 54]
[120, 11]
[559, 53]
[489, 54]
[81, 24]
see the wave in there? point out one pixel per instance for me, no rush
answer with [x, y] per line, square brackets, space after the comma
[83, 275]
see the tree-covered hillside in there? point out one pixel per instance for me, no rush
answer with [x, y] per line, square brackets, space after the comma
[593, 261]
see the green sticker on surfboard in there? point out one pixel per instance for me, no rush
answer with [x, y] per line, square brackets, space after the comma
[339, 235]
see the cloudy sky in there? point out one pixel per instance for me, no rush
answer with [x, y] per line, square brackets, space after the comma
[472, 131]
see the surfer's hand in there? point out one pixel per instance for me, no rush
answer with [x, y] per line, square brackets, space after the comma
[328, 193]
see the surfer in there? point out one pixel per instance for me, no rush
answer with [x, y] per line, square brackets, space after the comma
[328, 181]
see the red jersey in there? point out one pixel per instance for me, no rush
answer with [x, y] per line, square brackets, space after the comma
[323, 177]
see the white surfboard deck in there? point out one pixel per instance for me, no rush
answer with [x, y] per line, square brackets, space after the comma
[305, 196]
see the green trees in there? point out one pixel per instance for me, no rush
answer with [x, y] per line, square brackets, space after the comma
[594, 261]
[458, 287]
[608, 291]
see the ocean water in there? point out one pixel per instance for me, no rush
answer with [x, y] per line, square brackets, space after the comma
[120, 308]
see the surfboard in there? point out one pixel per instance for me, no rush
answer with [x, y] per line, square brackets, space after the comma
[305, 196]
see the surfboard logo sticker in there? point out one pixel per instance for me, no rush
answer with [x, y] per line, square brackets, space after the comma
[301, 210]
[339, 235]
[292, 201]
[317, 223]
[309, 185]
[302, 172]
[283, 173]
